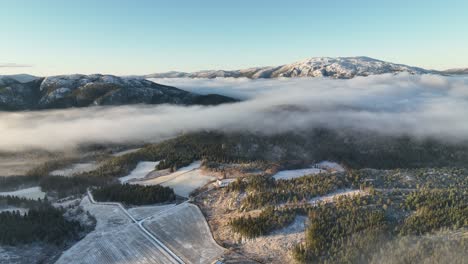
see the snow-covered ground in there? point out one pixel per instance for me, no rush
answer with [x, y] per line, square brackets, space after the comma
[141, 170]
[28, 193]
[330, 165]
[324, 166]
[332, 196]
[183, 181]
[14, 209]
[74, 169]
[291, 174]
[142, 212]
[185, 231]
[275, 247]
[116, 239]
[121, 153]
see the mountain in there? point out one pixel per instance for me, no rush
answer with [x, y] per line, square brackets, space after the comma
[339, 68]
[24, 92]
[459, 71]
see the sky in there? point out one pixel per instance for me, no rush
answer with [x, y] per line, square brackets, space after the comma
[125, 37]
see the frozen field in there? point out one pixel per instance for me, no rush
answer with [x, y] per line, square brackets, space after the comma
[75, 168]
[116, 239]
[329, 165]
[291, 174]
[332, 196]
[184, 230]
[28, 193]
[141, 170]
[324, 166]
[183, 181]
[143, 212]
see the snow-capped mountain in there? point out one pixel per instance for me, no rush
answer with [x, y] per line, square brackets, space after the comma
[85, 90]
[340, 68]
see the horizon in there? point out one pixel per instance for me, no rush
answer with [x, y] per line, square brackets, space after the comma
[124, 38]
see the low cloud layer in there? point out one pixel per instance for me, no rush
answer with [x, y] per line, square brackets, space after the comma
[13, 65]
[422, 106]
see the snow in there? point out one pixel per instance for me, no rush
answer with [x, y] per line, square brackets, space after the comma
[121, 153]
[332, 196]
[28, 193]
[291, 174]
[74, 169]
[340, 67]
[142, 212]
[141, 170]
[116, 239]
[331, 165]
[323, 166]
[185, 231]
[22, 211]
[183, 181]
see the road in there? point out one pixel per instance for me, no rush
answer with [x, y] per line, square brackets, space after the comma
[151, 237]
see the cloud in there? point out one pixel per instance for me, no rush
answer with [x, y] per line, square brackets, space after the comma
[14, 65]
[421, 106]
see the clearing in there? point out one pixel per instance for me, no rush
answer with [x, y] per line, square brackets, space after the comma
[28, 193]
[185, 231]
[142, 169]
[183, 181]
[321, 167]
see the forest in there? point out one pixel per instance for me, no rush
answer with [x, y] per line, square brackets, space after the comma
[130, 194]
[41, 222]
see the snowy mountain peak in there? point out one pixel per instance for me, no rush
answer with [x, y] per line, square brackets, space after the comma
[340, 68]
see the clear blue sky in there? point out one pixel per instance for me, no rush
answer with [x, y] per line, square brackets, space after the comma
[145, 36]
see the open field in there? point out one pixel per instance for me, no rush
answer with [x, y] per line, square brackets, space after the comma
[324, 166]
[183, 181]
[291, 174]
[184, 230]
[141, 170]
[332, 196]
[28, 193]
[142, 212]
[116, 239]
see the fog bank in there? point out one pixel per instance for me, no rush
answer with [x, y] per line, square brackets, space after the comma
[421, 106]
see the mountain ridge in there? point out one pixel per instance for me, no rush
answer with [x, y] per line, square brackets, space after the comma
[333, 67]
[27, 92]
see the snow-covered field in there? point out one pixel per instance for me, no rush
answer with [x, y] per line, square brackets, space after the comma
[28, 193]
[116, 239]
[291, 174]
[143, 212]
[324, 166]
[184, 230]
[141, 170]
[183, 181]
[332, 196]
[121, 153]
[330, 165]
[75, 168]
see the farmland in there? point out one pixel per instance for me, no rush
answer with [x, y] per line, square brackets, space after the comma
[185, 231]
[116, 239]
